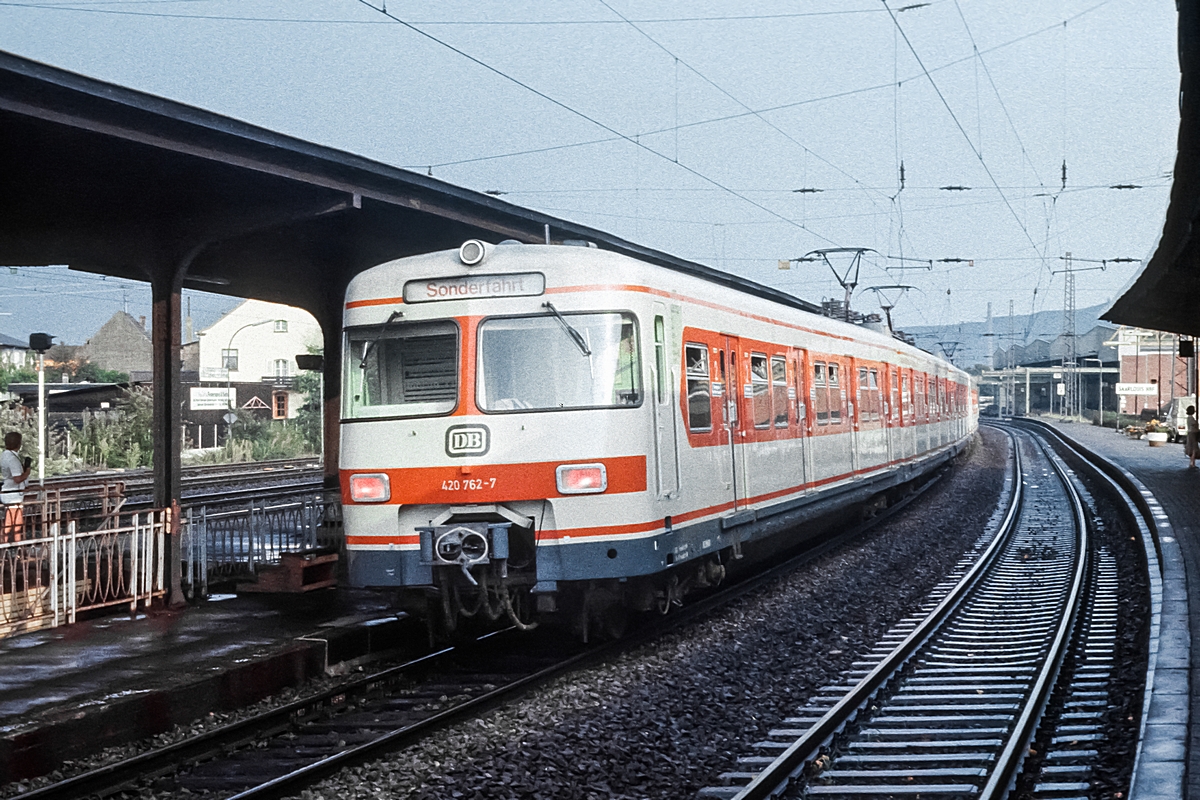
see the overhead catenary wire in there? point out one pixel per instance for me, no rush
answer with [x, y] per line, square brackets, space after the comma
[757, 114]
[741, 115]
[582, 115]
[958, 124]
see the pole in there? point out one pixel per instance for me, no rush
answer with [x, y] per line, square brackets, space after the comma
[42, 418]
[228, 377]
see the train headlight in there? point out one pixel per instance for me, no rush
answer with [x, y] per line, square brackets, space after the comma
[370, 488]
[581, 478]
[473, 251]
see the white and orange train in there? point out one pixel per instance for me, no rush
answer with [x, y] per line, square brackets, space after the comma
[532, 429]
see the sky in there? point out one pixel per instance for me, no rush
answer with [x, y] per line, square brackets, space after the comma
[690, 127]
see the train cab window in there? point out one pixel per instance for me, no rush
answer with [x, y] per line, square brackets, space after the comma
[820, 394]
[835, 396]
[779, 390]
[402, 370]
[660, 360]
[552, 363]
[699, 399]
[760, 382]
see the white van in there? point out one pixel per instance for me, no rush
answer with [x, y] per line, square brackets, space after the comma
[1176, 416]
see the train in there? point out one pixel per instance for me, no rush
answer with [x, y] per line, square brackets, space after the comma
[557, 431]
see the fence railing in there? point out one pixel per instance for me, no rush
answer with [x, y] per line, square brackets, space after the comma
[223, 542]
[64, 558]
[65, 569]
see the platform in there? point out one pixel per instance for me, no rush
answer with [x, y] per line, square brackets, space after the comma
[71, 690]
[1165, 474]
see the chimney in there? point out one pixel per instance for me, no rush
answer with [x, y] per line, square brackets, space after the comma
[142, 322]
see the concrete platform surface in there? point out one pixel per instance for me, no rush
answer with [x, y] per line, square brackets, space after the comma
[72, 690]
[1175, 489]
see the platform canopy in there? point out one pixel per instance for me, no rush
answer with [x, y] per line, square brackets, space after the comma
[118, 182]
[1165, 296]
[114, 181]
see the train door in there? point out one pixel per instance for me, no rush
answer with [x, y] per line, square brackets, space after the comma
[852, 404]
[731, 423]
[666, 452]
[800, 407]
[892, 415]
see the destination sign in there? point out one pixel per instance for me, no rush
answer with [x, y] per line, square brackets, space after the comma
[468, 287]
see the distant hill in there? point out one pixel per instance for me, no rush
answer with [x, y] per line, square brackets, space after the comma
[974, 347]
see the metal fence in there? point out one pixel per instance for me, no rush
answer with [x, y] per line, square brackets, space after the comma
[64, 568]
[227, 542]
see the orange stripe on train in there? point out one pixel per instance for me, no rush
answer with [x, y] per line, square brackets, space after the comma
[495, 483]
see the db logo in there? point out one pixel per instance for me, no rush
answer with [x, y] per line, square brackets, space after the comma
[467, 440]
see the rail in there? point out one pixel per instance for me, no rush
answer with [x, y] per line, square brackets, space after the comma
[963, 628]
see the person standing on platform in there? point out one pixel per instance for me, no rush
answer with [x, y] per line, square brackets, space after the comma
[1193, 437]
[12, 494]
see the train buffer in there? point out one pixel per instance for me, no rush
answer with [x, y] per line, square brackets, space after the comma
[296, 572]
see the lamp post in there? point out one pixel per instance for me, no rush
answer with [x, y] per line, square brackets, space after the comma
[40, 343]
[225, 361]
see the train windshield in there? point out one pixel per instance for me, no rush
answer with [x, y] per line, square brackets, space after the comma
[535, 364]
[401, 370]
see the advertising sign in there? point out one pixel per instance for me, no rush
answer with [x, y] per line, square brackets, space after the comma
[205, 398]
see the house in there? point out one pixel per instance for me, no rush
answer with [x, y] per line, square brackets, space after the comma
[13, 352]
[251, 352]
[121, 344]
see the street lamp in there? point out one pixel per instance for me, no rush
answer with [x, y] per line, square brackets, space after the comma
[225, 358]
[40, 343]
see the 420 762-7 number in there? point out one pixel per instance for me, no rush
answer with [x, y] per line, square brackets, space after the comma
[468, 485]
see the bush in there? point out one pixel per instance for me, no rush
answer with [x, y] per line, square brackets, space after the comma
[121, 438]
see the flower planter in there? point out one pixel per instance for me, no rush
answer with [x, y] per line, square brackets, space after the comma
[1156, 439]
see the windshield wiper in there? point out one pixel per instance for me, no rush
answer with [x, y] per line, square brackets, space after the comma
[574, 334]
[371, 344]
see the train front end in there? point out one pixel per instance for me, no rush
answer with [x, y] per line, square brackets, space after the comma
[485, 412]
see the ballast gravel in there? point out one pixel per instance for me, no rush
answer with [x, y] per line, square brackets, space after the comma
[666, 719]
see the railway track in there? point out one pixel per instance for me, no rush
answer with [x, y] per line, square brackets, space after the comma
[204, 483]
[280, 752]
[950, 701]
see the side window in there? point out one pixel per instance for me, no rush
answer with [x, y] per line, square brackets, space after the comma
[699, 401]
[820, 394]
[835, 396]
[864, 395]
[660, 359]
[779, 390]
[894, 392]
[760, 380]
[876, 396]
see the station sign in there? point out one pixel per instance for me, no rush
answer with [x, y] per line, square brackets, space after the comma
[214, 374]
[472, 287]
[206, 398]
[1137, 388]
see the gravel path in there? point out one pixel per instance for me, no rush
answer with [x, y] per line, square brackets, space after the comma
[666, 719]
